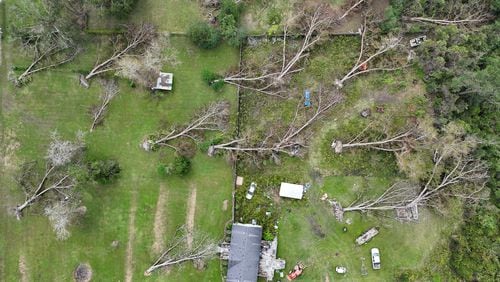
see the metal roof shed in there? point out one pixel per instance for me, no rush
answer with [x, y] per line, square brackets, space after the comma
[244, 253]
[294, 191]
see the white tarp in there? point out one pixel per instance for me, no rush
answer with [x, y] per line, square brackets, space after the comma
[294, 191]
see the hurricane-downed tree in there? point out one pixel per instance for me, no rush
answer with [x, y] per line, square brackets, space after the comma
[404, 140]
[110, 90]
[185, 247]
[59, 177]
[269, 78]
[373, 56]
[135, 41]
[45, 33]
[61, 214]
[285, 138]
[143, 70]
[455, 173]
[214, 117]
[455, 12]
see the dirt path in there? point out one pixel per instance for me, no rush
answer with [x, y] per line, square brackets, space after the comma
[129, 262]
[159, 223]
[191, 210]
[23, 268]
[327, 278]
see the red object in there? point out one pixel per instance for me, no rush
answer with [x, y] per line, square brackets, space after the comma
[363, 67]
[296, 272]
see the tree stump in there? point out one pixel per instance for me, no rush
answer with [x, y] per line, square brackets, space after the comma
[83, 273]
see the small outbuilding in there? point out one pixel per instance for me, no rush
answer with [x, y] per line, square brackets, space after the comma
[164, 81]
[289, 190]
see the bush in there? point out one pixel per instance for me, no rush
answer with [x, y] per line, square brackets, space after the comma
[209, 77]
[230, 31]
[181, 166]
[103, 171]
[230, 7]
[204, 35]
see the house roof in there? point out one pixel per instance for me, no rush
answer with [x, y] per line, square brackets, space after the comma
[294, 191]
[244, 253]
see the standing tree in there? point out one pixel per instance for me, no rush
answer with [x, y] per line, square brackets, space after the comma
[136, 40]
[212, 118]
[178, 251]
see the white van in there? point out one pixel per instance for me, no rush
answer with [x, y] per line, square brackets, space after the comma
[375, 258]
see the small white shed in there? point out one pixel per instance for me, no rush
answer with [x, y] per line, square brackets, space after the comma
[294, 191]
[164, 81]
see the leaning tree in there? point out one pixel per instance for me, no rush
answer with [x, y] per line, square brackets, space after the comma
[180, 250]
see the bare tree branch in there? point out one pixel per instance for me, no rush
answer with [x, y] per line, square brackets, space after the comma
[110, 91]
[212, 118]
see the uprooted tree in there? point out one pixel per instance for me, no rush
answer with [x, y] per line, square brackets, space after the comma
[455, 12]
[212, 118]
[110, 90]
[133, 42]
[376, 59]
[455, 173]
[56, 185]
[285, 138]
[45, 33]
[185, 247]
[403, 141]
[270, 78]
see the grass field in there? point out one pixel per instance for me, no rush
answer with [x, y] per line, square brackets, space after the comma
[142, 210]
[54, 101]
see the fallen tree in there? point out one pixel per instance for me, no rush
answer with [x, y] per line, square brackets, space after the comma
[178, 251]
[455, 173]
[110, 90]
[269, 78]
[137, 38]
[212, 118]
[294, 135]
[402, 141]
[364, 61]
[57, 177]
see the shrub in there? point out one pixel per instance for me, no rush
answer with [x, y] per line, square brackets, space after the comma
[103, 171]
[230, 31]
[181, 166]
[230, 7]
[204, 35]
[210, 78]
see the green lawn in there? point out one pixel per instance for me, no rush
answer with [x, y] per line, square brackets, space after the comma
[54, 101]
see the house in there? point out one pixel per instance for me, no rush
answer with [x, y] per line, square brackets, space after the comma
[294, 191]
[164, 81]
[244, 253]
[249, 256]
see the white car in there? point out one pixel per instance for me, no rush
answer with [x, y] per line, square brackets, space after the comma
[251, 191]
[375, 258]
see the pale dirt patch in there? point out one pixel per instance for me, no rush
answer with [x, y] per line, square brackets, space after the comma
[23, 268]
[11, 145]
[129, 262]
[191, 210]
[224, 205]
[327, 278]
[159, 223]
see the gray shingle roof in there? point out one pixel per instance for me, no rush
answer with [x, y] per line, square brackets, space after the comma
[244, 253]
